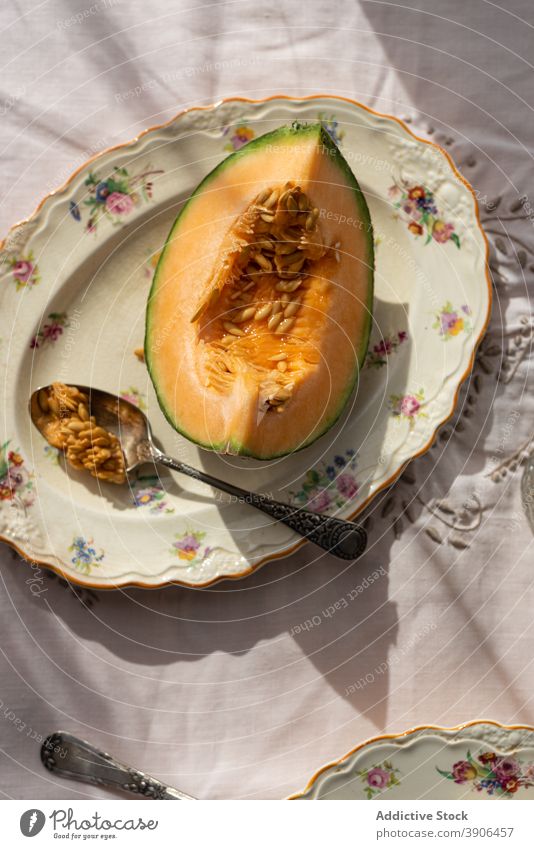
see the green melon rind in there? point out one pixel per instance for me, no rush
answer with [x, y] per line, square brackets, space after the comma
[286, 134]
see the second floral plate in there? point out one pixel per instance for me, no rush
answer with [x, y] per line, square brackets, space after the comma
[75, 278]
[479, 760]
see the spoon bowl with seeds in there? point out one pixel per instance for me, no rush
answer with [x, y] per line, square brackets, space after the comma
[109, 437]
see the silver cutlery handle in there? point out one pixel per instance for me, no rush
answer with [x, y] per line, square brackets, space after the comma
[70, 757]
[340, 537]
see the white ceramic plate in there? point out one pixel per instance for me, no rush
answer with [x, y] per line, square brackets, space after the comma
[74, 282]
[479, 760]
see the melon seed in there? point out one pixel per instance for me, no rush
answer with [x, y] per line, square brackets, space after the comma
[281, 394]
[247, 313]
[293, 234]
[311, 220]
[284, 197]
[265, 245]
[292, 205]
[262, 312]
[282, 366]
[262, 197]
[284, 247]
[296, 266]
[276, 307]
[274, 321]
[276, 358]
[43, 401]
[285, 325]
[232, 329]
[291, 309]
[263, 262]
[288, 285]
[270, 201]
[83, 412]
[262, 227]
[286, 259]
[76, 426]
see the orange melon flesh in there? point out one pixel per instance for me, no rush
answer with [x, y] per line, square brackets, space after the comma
[226, 410]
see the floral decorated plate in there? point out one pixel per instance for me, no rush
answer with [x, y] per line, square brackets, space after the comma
[479, 760]
[74, 280]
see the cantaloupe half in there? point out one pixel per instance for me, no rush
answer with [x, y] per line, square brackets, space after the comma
[259, 314]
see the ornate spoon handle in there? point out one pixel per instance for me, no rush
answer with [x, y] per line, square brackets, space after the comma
[337, 536]
[71, 757]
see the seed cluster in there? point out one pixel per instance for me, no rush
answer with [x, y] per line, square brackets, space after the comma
[285, 239]
[282, 240]
[66, 424]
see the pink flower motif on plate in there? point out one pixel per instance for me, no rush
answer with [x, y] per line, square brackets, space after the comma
[51, 330]
[134, 396]
[24, 271]
[319, 501]
[506, 768]
[377, 355]
[119, 203]
[463, 771]
[499, 775]
[379, 778]
[441, 231]
[329, 486]
[408, 406]
[16, 482]
[347, 486]
[115, 196]
[418, 207]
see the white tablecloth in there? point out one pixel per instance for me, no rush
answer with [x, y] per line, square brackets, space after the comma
[218, 692]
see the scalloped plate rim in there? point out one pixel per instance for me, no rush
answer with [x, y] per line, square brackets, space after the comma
[290, 549]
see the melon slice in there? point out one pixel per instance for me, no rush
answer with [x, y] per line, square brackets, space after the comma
[259, 314]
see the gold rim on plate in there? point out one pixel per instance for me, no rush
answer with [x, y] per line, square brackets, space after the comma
[385, 484]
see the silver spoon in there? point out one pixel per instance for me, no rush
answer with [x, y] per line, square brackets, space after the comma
[340, 537]
[70, 757]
